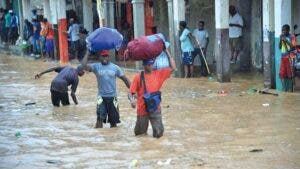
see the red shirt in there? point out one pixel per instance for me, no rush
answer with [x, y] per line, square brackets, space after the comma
[154, 81]
[50, 33]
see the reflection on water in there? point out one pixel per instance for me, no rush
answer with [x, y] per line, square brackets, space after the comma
[202, 128]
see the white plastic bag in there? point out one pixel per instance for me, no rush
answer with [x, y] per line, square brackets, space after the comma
[161, 61]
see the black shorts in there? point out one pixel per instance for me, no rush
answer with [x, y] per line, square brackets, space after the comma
[108, 110]
[58, 97]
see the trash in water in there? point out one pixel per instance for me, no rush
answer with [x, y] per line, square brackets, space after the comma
[210, 78]
[267, 92]
[54, 161]
[256, 150]
[30, 103]
[161, 163]
[18, 134]
[51, 161]
[134, 163]
[223, 93]
[37, 113]
[251, 90]
[266, 104]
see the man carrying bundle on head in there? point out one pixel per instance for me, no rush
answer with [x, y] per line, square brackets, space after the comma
[106, 73]
[103, 39]
[145, 87]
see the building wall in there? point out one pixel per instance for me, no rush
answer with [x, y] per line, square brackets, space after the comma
[256, 48]
[161, 22]
[296, 17]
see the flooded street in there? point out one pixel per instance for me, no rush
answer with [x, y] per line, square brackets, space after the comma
[203, 129]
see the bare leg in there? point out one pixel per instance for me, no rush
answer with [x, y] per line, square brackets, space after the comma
[186, 71]
[192, 70]
[283, 82]
[236, 53]
[232, 55]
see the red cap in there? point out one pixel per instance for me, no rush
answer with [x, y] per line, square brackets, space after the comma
[104, 53]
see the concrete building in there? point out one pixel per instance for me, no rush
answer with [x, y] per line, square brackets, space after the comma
[260, 34]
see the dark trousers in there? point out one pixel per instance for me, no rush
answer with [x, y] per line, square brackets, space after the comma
[108, 111]
[203, 69]
[58, 97]
[155, 119]
[6, 33]
[75, 49]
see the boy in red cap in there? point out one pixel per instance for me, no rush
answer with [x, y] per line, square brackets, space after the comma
[153, 79]
[106, 73]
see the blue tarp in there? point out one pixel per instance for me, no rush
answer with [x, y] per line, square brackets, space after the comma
[104, 39]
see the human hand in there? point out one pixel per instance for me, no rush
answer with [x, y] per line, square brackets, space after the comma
[282, 38]
[37, 76]
[132, 100]
[74, 98]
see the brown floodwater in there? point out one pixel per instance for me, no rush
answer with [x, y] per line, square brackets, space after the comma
[203, 129]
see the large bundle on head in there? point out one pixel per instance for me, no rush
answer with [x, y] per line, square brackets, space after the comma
[104, 39]
[145, 47]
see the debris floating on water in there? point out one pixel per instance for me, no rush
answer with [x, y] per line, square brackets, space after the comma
[134, 163]
[18, 134]
[161, 163]
[30, 103]
[54, 161]
[256, 150]
[266, 104]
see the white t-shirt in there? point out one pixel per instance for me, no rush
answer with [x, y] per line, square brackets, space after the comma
[235, 32]
[201, 36]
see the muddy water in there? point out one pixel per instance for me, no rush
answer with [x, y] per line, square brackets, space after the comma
[202, 128]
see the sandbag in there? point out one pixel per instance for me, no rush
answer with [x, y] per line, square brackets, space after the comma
[145, 47]
[104, 39]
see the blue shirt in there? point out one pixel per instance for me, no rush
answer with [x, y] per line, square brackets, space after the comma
[186, 44]
[66, 76]
[106, 77]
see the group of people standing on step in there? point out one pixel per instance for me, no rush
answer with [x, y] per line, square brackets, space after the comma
[40, 33]
[195, 43]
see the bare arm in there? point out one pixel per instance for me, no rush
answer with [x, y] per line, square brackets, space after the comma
[84, 62]
[194, 40]
[171, 61]
[46, 71]
[73, 90]
[74, 97]
[126, 81]
[207, 41]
